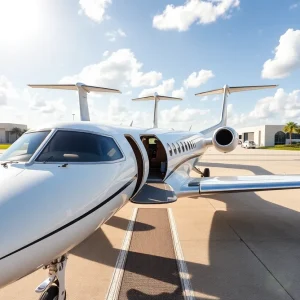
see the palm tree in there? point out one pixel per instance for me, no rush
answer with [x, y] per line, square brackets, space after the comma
[290, 127]
[17, 131]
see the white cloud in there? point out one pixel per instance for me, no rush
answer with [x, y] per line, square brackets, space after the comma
[287, 56]
[177, 114]
[146, 79]
[280, 108]
[182, 17]
[94, 9]
[293, 6]
[195, 80]
[112, 35]
[216, 98]
[121, 32]
[180, 93]
[281, 104]
[120, 69]
[7, 91]
[205, 98]
[118, 113]
[105, 53]
[56, 107]
[162, 89]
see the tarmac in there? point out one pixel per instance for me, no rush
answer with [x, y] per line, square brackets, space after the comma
[236, 246]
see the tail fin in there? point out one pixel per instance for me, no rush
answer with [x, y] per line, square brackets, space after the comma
[156, 98]
[226, 90]
[82, 89]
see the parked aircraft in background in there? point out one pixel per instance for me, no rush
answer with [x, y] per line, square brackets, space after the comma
[60, 182]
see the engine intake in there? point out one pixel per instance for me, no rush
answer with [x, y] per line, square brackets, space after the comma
[225, 139]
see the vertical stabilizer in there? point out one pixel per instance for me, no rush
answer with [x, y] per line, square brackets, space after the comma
[226, 90]
[83, 104]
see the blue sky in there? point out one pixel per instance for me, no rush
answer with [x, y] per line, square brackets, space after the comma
[143, 46]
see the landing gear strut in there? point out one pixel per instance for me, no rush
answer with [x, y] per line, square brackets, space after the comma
[53, 288]
[205, 173]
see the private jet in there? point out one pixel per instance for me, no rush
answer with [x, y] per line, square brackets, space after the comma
[60, 182]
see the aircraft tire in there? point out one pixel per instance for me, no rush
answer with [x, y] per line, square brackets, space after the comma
[50, 294]
[206, 172]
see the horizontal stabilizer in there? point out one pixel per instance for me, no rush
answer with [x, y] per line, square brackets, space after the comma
[82, 89]
[158, 97]
[236, 89]
[244, 183]
[87, 88]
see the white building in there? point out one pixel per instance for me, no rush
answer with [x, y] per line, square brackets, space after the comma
[6, 136]
[266, 135]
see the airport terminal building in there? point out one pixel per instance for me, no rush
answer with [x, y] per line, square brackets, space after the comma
[267, 135]
[6, 134]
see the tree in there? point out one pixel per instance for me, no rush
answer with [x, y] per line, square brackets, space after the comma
[17, 131]
[290, 127]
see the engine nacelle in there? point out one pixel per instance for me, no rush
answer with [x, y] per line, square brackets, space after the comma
[225, 139]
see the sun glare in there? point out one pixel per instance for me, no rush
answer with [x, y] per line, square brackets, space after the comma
[19, 20]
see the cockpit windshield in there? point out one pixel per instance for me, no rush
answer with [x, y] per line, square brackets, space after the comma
[23, 148]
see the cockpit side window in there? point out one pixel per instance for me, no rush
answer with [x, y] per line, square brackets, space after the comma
[24, 147]
[73, 146]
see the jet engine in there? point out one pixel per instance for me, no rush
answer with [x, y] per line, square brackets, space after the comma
[225, 139]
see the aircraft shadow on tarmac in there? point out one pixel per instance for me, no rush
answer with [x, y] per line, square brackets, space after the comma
[253, 250]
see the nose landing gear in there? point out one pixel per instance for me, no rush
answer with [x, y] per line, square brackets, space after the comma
[53, 288]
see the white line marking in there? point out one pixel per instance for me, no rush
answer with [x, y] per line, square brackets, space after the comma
[115, 284]
[187, 289]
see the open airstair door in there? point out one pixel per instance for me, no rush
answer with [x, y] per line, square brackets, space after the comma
[155, 193]
[157, 157]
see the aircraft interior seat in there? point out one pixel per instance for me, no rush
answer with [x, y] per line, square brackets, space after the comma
[160, 155]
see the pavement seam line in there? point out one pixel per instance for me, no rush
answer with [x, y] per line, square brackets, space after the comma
[263, 264]
[116, 280]
[184, 275]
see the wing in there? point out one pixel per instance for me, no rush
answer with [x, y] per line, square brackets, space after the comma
[232, 184]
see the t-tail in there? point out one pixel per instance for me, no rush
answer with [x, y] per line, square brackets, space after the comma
[226, 90]
[156, 98]
[82, 89]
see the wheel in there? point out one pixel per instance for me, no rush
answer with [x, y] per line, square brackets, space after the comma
[206, 172]
[51, 293]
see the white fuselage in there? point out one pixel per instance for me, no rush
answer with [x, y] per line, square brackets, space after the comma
[47, 209]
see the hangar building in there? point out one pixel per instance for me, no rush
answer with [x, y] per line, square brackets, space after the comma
[6, 134]
[267, 135]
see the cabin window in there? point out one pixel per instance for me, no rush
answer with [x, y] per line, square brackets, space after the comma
[182, 147]
[178, 147]
[72, 146]
[186, 147]
[24, 147]
[169, 149]
[189, 143]
[174, 149]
